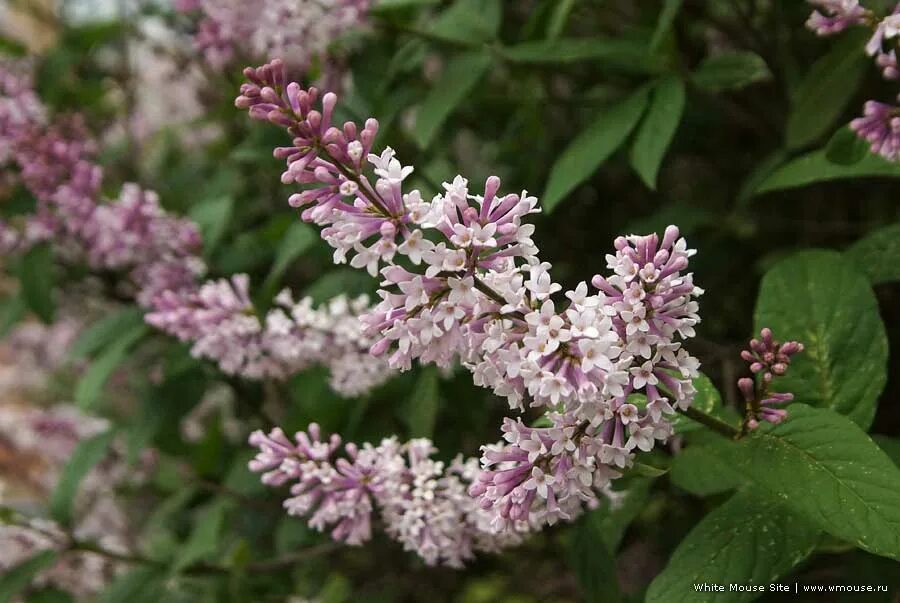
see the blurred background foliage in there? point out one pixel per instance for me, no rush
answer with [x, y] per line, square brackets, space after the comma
[726, 118]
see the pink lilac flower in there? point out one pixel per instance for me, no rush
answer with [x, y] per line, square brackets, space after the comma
[422, 503]
[834, 16]
[302, 32]
[880, 127]
[159, 255]
[767, 360]
[220, 321]
[474, 290]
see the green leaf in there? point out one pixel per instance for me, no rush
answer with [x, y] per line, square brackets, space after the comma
[89, 388]
[141, 585]
[622, 53]
[37, 281]
[204, 539]
[105, 331]
[846, 147]
[826, 89]
[878, 254]
[85, 456]
[16, 578]
[212, 216]
[649, 470]
[705, 469]
[827, 469]
[559, 18]
[658, 128]
[758, 175]
[823, 301]
[460, 76]
[730, 71]
[469, 22]
[12, 310]
[815, 167]
[747, 540]
[664, 22]
[592, 147]
[297, 240]
[421, 411]
[593, 564]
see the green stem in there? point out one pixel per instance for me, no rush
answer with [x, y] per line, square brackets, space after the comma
[720, 427]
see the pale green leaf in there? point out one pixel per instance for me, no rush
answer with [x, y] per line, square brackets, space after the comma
[89, 388]
[37, 278]
[461, 74]
[815, 167]
[592, 147]
[730, 71]
[658, 128]
[826, 90]
[105, 331]
[422, 408]
[212, 217]
[85, 457]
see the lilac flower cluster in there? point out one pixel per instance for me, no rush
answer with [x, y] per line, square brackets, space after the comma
[768, 359]
[159, 253]
[880, 122]
[220, 320]
[301, 31]
[461, 280]
[422, 502]
[53, 160]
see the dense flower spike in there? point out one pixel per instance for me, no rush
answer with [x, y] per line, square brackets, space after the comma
[159, 253]
[767, 359]
[462, 280]
[221, 322]
[422, 503]
[880, 123]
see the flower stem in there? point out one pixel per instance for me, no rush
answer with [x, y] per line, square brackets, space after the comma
[720, 427]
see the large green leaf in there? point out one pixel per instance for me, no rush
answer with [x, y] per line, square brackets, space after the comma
[16, 578]
[658, 128]
[460, 76]
[827, 469]
[826, 89]
[749, 540]
[878, 254]
[815, 167]
[593, 146]
[37, 281]
[824, 301]
[88, 453]
[730, 71]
